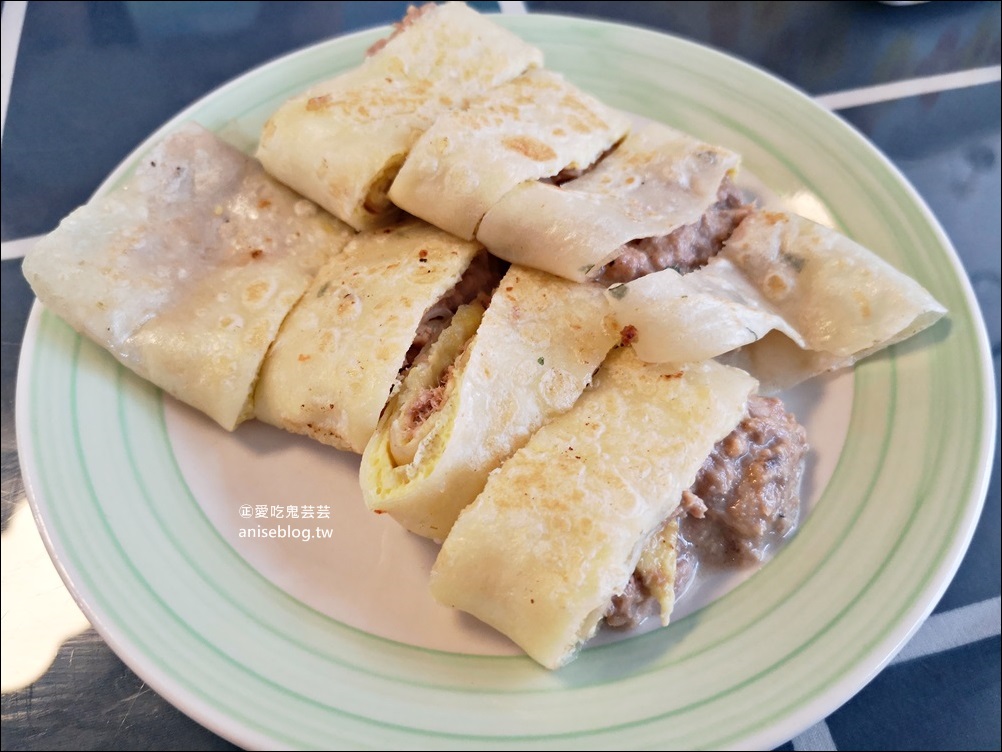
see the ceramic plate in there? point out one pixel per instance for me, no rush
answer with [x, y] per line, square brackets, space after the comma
[159, 521]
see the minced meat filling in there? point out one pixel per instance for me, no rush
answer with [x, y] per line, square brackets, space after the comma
[477, 282]
[687, 248]
[568, 174]
[631, 607]
[745, 499]
[750, 484]
[429, 400]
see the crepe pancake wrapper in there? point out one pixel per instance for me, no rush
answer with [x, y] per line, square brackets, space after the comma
[530, 128]
[798, 297]
[341, 349]
[186, 273]
[560, 527]
[532, 354]
[342, 141]
[657, 180]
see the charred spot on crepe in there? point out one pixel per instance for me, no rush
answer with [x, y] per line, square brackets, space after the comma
[628, 335]
[686, 249]
[412, 15]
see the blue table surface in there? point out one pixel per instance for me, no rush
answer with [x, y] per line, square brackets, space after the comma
[94, 79]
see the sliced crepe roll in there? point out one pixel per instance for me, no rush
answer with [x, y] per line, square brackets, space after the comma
[561, 527]
[827, 300]
[654, 183]
[486, 385]
[342, 348]
[186, 273]
[342, 141]
[533, 127]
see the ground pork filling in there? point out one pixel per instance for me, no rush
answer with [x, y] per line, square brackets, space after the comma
[429, 400]
[745, 500]
[634, 605]
[687, 248]
[567, 174]
[477, 283]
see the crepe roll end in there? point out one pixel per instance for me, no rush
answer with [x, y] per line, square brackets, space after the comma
[399, 462]
[565, 526]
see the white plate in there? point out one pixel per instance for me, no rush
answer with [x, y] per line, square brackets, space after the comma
[335, 643]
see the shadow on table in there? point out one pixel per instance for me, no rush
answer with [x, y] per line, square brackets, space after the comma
[89, 699]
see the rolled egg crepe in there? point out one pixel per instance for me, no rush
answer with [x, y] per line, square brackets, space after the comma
[532, 127]
[561, 527]
[186, 273]
[656, 181]
[489, 382]
[341, 349]
[342, 141]
[815, 290]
